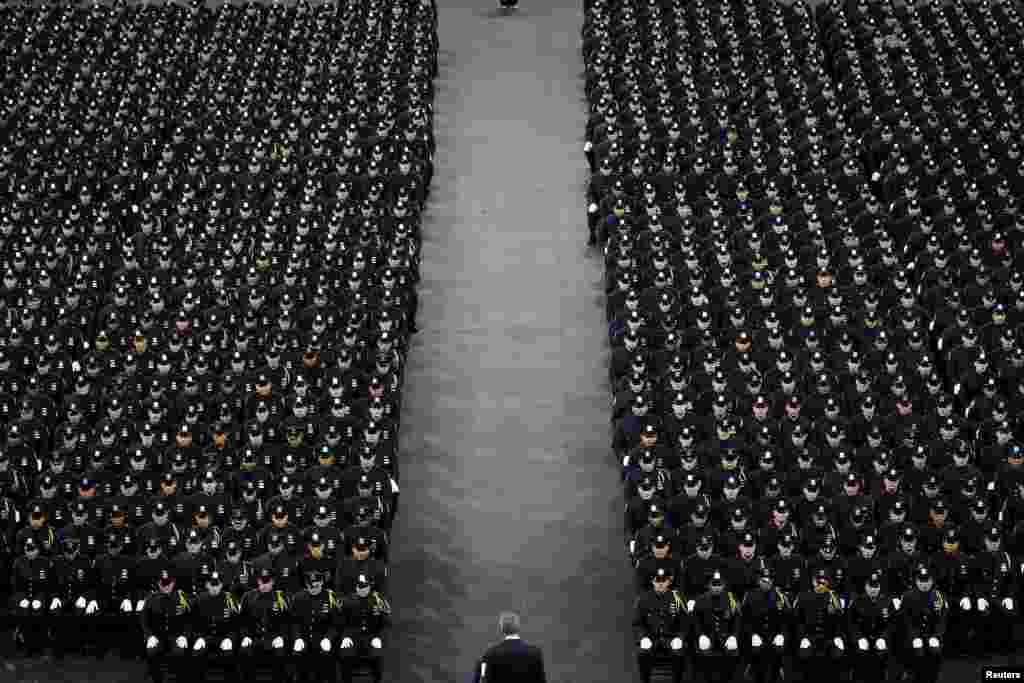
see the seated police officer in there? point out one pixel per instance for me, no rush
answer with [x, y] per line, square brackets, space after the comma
[661, 626]
[216, 613]
[366, 615]
[717, 626]
[315, 623]
[264, 623]
[166, 624]
[766, 613]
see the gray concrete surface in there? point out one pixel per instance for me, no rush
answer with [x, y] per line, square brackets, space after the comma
[509, 500]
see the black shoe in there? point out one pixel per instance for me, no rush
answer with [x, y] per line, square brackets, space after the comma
[592, 240]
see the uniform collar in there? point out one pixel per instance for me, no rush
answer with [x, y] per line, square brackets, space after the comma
[514, 636]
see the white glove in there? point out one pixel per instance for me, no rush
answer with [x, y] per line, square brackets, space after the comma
[277, 643]
[805, 643]
[842, 602]
[1008, 603]
[93, 607]
[645, 643]
[881, 645]
[730, 643]
[632, 547]
[917, 643]
[325, 644]
[982, 604]
[677, 643]
[897, 602]
[152, 642]
[755, 641]
[199, 644]
[181, 642]
[690, 604]
[126, 605]
[56, 604]
[779, 641]
[80, 603]
[933, 642]
[37, 604]
[587, 146]
[965, 604]
[863, 643]
[139, 604]
[226, 645]
[592, 208]
[23, 604]
[838, 642]
[247, 642]
[300, 645]
[346, 642]
[376, 644]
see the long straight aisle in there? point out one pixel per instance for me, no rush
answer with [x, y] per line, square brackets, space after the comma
[509, 497]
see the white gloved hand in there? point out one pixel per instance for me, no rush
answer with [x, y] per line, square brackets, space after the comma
[376, 644]
[842, 602]
[181, 642]
[779, 641]
[56, 604]
[863, 643]
[897, 602]
[933, 642]
[676, 643]
[199, 644]
[226, 645]
[151, 642]
[645, 643]
[982, 604]
[965, 604]
[247, 642]
[93, 607]
[690, 604]
[881, 645]
[37, 604]
[805, 643]
[704, 643]
[730, 643]
[325, 644]
[139, 604]
[126, 605]
[838, 642]
[346, 642]
[1008, 603]
[592, 208]
[80, 603]
[300, 645]
[277, 643]
[917, 643]
[587, 146]
[755, 641]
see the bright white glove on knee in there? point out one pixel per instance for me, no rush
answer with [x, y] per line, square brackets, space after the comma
[982, 604]
[863, 643]
[897, 602]
[730, 643]
[181, 642]
[325, 645]
[226, 645]
[152, 642]
[199, 644]
[676, 643]
[755, 641]
[37, 604]
[704, 643]
[646, 643]
[346, 642]
[880, 645]
[933, 642]
[277, 643]
[838, 642]
[300, 645]
[1008, 603]
[376, 644]
[779, 641]
[93, 607]
[917, 643]
[126, 605]
[139, 605]
[805, 644]
[80, 603]
[55, 605]
[965, 604]
[247, 642]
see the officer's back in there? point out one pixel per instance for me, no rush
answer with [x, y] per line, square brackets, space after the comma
[513, 659]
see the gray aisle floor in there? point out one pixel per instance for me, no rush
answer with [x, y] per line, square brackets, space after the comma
[509, 498]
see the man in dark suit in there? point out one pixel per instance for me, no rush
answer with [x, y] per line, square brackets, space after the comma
[512, 660]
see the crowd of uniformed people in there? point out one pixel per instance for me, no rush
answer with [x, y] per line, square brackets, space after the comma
[209, 246]
[811, 223]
